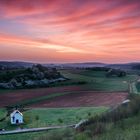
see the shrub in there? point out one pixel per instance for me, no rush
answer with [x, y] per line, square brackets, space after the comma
[60, 120]
[37, 117]
[89, 114]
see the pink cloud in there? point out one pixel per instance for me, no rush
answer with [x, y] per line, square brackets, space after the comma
[75, 26]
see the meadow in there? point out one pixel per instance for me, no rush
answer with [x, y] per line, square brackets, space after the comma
[97, 80]
[126, 129]
[42, 117]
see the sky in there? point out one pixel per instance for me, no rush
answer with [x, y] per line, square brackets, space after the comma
[59, 31]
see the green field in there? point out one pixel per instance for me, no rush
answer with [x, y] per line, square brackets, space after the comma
[127, 129]
[43, 117]
[3, 113]
[97, 80]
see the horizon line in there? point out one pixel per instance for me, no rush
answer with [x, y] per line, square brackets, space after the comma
[12, 61]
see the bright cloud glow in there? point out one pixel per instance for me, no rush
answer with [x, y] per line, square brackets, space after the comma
[70, 30]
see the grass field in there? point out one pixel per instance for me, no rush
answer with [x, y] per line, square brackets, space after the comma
[126, 129]
[43, 117]
[2, 113]
[98, 81]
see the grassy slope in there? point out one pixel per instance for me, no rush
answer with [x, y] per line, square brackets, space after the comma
[98, 81]
[127, 129]
[49, 117]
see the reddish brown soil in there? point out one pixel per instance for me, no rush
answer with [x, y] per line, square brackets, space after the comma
[79, 96]
[12, 97]
[85, 98]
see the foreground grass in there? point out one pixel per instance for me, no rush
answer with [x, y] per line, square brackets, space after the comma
[42, 117]
[127, 129]
[45, 117]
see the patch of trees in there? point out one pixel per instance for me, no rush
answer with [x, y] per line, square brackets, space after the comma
[115, 72]
[37, 72]
[137, 67]
[98, 69]
[37, 75]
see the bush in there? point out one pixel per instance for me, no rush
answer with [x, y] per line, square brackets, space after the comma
[89, 114]
[60, 120]
[36, 117]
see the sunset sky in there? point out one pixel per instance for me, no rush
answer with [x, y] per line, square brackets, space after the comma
[57, 31]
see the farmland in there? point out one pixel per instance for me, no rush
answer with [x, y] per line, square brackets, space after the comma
[86, 98]
[86, 94]
[96, 81]
[66, 98]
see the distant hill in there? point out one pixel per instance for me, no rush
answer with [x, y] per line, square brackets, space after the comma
[15, 64]
[125, 66]
[83, 65]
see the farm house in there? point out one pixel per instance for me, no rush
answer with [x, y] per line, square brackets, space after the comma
[16, 117]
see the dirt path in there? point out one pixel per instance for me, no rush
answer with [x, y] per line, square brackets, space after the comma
[33, 130]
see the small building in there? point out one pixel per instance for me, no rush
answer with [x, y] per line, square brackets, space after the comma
[16, 117]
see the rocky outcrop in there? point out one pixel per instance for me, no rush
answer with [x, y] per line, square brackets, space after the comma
[31, 77]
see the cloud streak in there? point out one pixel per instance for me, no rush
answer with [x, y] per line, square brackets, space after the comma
[84, 30]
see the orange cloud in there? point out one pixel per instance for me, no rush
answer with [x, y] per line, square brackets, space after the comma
[73, 30]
